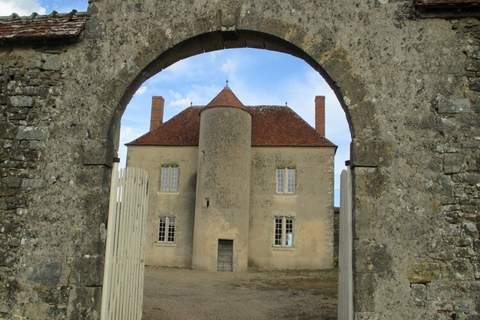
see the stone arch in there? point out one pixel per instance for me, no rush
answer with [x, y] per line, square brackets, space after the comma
[337, 72]
[413, 115]
[218, 40]
[229, 27]
[229, 24]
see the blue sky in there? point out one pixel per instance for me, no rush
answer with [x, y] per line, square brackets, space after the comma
[256, 76]
[26, 7]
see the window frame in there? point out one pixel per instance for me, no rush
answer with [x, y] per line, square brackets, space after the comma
[283, 231]
[167, 182]
[168, 222]
[286, 180]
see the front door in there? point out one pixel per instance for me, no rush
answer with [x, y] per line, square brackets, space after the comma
[225, 255]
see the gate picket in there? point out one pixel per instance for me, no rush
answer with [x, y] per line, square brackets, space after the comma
[345, 262]
[122, 295]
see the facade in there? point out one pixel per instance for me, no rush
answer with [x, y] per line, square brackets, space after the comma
[236, 187]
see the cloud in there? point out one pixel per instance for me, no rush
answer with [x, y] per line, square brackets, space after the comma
[20, 7]
[176, 101]
[229, 66]
[181, 102]
[141, 90]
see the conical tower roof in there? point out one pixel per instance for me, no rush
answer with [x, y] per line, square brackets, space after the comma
[225, 98]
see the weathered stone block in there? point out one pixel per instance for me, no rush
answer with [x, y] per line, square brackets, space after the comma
[21, 101]
[419, 293]
[32, 133]
[46, 274]
[95, 152]
[88, 271]
[33, 183]
[471, 229]
[366, 316]
[453, 105]
[364, 284]
[452, 162]
[424, 272]
[51, 62]
[84, 303]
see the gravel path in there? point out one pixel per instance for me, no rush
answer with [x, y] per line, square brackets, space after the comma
[180, 294]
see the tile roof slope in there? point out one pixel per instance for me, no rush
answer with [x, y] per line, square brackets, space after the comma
[271, 126]
[36, 27]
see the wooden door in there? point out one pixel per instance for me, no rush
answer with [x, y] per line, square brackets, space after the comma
[225, 255]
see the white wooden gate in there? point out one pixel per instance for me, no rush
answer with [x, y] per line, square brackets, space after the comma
[122, 295]
[345, 275]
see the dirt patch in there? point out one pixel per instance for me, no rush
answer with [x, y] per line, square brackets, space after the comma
[181, 294]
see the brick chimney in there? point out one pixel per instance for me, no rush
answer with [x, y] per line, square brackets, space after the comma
[156, 117]
[320, 115]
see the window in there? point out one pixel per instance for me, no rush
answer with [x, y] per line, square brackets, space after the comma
[166, 229]
[278, 231]
[169, 178]
[283, 236]
[286, 180]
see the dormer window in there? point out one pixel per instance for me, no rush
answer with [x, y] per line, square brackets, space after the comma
[286, 180]
[169, 176]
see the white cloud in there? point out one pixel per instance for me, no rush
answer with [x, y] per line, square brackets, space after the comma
[141, 90]
[20, 7]
[181, 102]
[229, 66]
[196, 95]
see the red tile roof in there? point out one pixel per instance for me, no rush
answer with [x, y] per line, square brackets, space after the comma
[224, 98]
[35, 27]
[271, 126]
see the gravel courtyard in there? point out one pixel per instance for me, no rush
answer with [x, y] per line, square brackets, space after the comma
[181, 294]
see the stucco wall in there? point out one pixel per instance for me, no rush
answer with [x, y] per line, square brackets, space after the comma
[223, 186]
[311, 205]
[180, 204]
[409, 86]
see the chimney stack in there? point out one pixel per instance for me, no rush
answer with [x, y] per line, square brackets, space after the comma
[320, 115]
[156, 117]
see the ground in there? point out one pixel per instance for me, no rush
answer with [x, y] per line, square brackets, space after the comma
[181, 294]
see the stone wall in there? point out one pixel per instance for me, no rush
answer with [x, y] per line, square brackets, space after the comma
[51, 224]
[180, 204]
[410, 87]
[311, 206]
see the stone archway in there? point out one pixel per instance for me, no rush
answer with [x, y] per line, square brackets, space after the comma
[412, 113]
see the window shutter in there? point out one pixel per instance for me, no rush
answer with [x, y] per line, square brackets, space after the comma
[171, 229]
[280, 180]
[175, 176]
[164, 179]
[291, 180]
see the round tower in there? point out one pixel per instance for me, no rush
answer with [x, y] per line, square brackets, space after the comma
[220, 238]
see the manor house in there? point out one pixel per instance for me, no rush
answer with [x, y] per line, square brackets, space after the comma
[234, 187]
